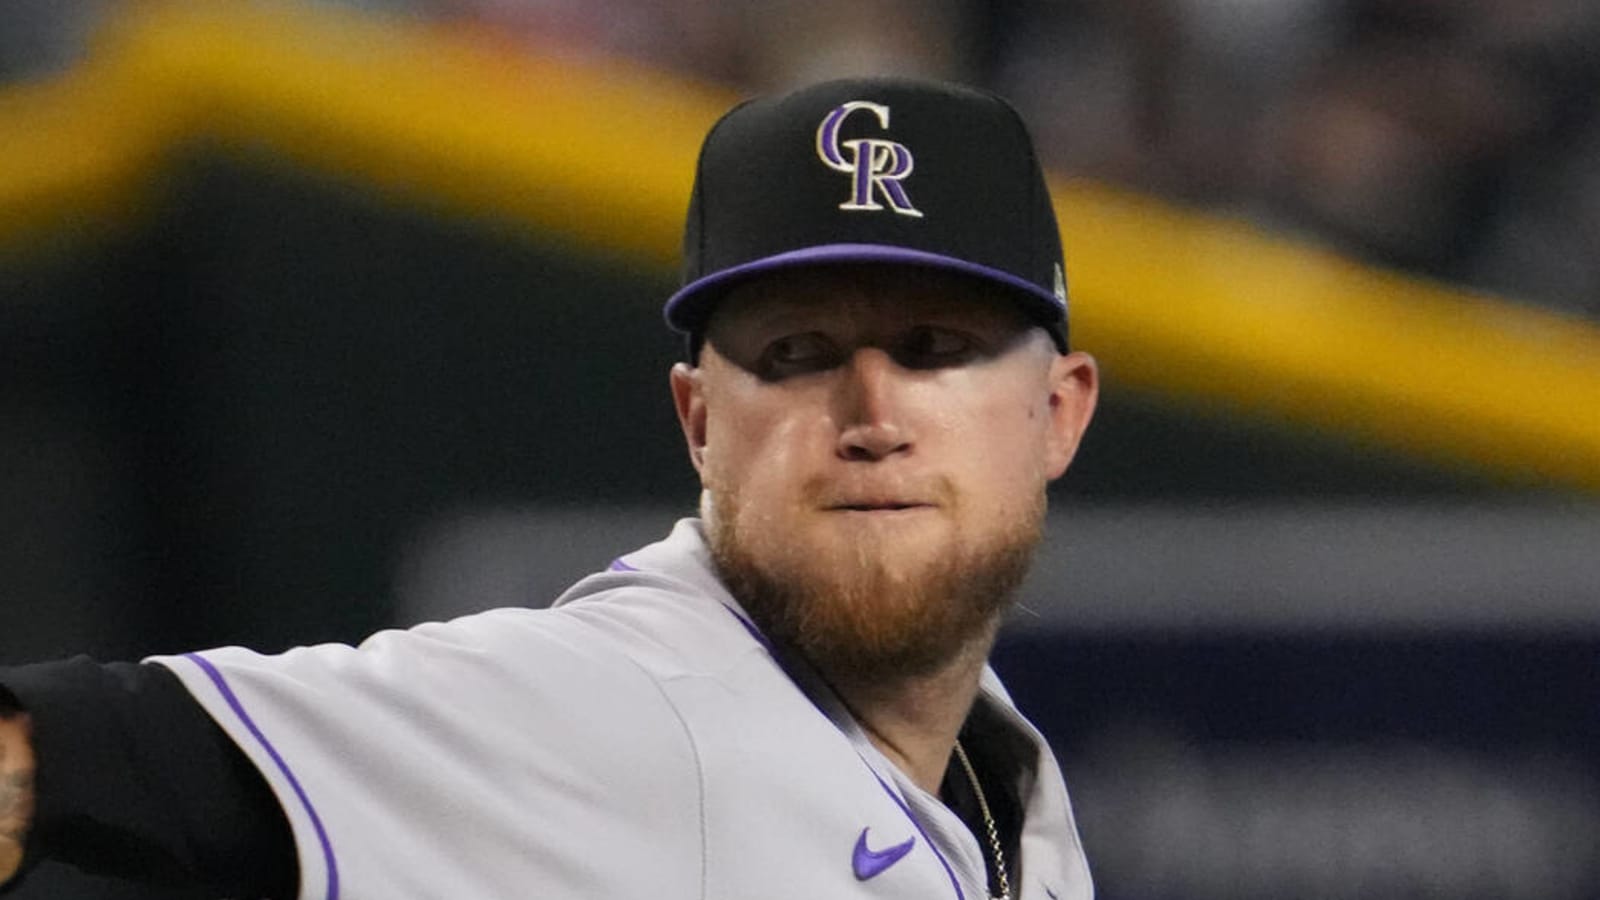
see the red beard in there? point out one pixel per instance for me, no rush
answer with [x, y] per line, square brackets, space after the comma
[858, 617]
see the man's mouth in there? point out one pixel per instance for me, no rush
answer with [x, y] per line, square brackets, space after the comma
[878, 506]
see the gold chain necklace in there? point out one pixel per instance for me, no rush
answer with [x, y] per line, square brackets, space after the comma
[988, 824]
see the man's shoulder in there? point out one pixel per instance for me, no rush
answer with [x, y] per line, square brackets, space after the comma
[662, 605]
[666, 626]
[646, 629]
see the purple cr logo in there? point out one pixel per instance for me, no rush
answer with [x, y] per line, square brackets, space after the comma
[876, 166]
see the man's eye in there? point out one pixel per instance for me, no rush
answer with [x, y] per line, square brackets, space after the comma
[931, 347]
[797, 353]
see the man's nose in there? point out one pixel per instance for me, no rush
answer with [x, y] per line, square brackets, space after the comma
[872, 410]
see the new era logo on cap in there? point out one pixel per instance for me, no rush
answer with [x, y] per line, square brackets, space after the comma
[875, 170]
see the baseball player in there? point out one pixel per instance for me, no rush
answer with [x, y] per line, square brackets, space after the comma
[787, 697]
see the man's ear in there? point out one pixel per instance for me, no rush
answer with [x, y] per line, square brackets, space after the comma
[1074, 391]
[688, 397]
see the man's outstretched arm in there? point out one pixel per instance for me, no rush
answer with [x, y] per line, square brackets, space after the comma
[16, 785]
[117, 770]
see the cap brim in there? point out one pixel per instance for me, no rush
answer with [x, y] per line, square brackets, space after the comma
[687, 310]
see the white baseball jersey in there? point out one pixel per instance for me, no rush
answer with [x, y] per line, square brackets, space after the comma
[636, 740]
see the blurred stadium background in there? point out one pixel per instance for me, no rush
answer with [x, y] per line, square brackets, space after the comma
[317, 318]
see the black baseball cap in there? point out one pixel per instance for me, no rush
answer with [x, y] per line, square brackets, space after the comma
[872, 170]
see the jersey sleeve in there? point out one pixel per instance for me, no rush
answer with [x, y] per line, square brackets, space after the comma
[513, 753]
[136, 781]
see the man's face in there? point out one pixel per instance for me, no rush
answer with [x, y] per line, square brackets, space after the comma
[874, 444]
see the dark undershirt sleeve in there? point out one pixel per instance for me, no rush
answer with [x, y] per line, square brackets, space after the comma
[136, 781]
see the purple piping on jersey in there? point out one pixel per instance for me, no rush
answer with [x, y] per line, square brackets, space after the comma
[751, 627]
[617, 565]
[954, 881]
[249, 723]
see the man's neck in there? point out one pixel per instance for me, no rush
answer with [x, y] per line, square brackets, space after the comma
[914, 721]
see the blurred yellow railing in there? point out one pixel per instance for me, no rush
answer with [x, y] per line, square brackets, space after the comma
[1204, 311]
[1219, 314]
